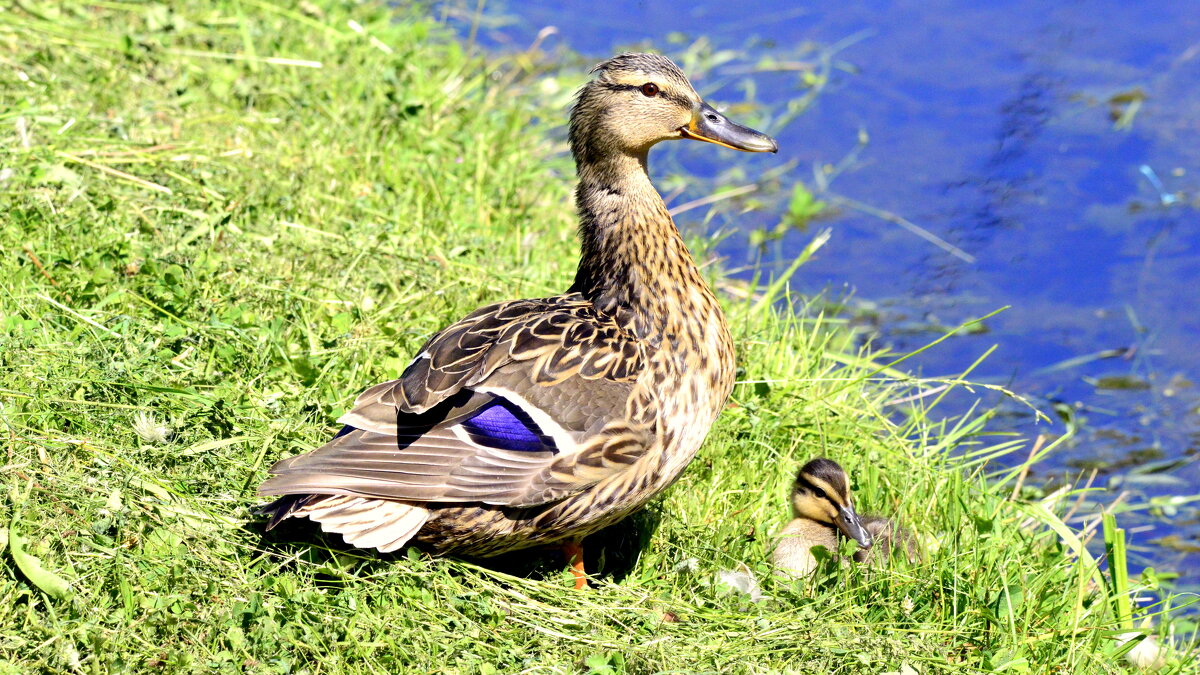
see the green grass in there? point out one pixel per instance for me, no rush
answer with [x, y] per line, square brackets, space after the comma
[232, 217]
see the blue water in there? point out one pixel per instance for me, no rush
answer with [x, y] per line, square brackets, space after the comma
[992, 126]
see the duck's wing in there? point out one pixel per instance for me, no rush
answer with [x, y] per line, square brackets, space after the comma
[519, 404]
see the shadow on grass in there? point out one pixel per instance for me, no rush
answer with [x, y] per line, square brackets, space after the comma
[610, 554]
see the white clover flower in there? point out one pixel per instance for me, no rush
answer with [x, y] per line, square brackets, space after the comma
[686, 566]
[740, 581]
[1147, 655]
[149, 429]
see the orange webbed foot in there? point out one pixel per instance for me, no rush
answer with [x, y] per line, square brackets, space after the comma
[573, 550]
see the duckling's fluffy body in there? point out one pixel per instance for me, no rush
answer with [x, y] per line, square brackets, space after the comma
[887, 535]
[793, 554]
[540, 421]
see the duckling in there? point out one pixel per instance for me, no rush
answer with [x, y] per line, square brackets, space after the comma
[822, 510]
[886, 534]
[540, 421]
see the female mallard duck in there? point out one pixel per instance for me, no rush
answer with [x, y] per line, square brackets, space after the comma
[822, 509]
[541, 421]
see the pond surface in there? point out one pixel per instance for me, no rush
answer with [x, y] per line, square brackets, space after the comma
[1047, 152]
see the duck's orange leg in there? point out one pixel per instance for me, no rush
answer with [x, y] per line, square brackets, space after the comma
[573, 550]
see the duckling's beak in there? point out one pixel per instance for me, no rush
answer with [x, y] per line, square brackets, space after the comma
[709, 125]
[847, 521]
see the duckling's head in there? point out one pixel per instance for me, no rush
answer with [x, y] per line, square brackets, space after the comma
[822, 493]
[637, 100]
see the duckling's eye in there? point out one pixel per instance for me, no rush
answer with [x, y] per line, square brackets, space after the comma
[650, 89]
[819, 493]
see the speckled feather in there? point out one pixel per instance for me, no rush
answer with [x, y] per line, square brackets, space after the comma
[623, 376]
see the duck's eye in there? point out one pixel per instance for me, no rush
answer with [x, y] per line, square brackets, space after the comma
[819, 493]
[650, 89]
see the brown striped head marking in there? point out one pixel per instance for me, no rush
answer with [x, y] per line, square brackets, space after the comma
[822, 493]
[637, 100]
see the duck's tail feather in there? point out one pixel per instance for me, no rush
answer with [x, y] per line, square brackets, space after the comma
[363, 522]
[283, 507]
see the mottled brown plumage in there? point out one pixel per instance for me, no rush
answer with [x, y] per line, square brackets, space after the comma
[541, 421]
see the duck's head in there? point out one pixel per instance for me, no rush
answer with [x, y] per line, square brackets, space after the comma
[822, 493]
[637, 100]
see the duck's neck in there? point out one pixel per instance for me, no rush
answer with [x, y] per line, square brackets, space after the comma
[633, 261]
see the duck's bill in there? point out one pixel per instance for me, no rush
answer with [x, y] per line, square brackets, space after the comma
[847, 521]
[709, 125]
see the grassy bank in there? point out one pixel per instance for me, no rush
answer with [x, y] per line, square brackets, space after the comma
[223, 221]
